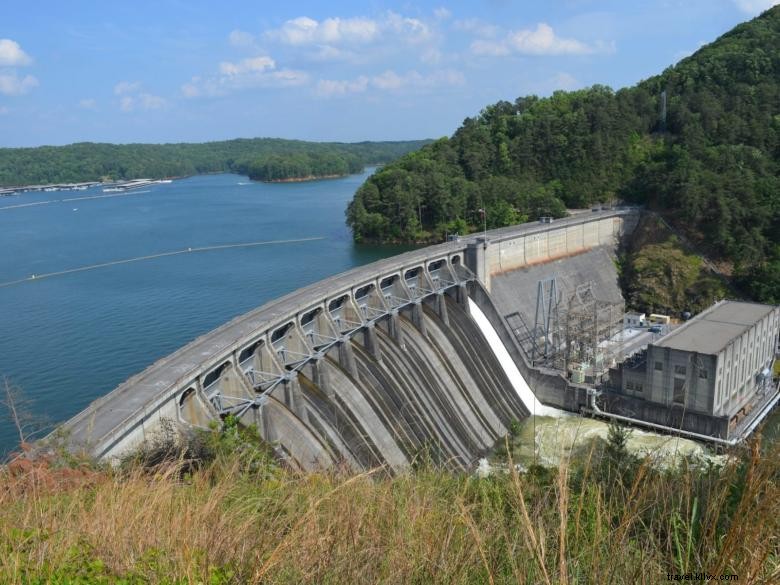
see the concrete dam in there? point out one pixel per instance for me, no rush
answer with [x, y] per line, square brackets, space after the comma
[373, 366]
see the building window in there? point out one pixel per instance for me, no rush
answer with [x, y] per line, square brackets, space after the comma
[679, 370]
[703, 374]
[679, 391]
[640, 387]
[659, 366]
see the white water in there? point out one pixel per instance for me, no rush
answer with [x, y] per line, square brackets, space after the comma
[508, 365]
[550, 434]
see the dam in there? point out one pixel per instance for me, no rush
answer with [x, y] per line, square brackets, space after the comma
[377, 365]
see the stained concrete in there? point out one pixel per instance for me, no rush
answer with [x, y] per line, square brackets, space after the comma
[516, 290]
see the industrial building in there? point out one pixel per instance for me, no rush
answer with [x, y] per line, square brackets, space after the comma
[718, 365]
[631, 320]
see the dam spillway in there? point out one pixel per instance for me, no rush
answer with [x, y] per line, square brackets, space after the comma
[371, 367]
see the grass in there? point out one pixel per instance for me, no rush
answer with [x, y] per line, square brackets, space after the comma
[241, 518]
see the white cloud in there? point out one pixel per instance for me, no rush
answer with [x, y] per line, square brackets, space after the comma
[241, 39]
[543, 41]
[12, 84]
[88, 104]
[249, 73]
[305, 31]
[338, 31]
[539, 41]
[391, 81]
[410, 29]
[251, 65]
[755, 6]
[330, 53]
[132, 98]
[148, 101]
[191, 89]
[127, 104]
[124, 87]
[12, 55]
[441, 13]
[329, 87]
[431, 56]
[143, 101]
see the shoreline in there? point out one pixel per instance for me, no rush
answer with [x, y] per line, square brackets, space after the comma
[305, 179]
[8, 190]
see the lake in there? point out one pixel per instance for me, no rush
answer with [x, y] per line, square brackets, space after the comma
[66, 340]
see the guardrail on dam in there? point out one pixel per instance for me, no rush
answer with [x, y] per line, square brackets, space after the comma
[365, 368]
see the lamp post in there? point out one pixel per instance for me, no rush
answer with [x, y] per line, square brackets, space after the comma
[484, 223]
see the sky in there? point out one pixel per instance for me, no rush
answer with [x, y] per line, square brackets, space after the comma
[191, 71]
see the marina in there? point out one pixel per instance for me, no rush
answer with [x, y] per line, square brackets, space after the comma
[110, 187]
[15, 190]
[134, 184]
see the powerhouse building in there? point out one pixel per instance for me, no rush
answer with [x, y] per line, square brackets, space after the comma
[717, 366]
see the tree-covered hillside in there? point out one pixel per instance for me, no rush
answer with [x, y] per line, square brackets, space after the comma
[263, 159]
[709, 163]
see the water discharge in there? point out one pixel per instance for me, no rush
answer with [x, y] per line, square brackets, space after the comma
[550, 434]
[510, 369]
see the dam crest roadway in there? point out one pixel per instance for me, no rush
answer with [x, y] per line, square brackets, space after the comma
[370, 367]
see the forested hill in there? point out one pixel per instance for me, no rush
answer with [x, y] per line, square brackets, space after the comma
[710, 165]
[263, 159]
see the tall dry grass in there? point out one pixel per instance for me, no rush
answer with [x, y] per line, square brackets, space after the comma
[584, 522]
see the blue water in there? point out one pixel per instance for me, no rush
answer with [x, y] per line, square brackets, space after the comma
[69, 339]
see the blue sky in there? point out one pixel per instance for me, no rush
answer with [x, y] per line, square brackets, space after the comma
[190, 70]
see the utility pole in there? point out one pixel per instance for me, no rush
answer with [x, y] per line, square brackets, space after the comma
[484, 223]
[484, 244]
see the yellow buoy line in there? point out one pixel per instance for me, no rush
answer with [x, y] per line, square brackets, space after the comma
[34, 277]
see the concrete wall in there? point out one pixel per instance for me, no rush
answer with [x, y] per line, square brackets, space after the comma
[554, 241]
[693, 373]
[673, 416]
[741, 360]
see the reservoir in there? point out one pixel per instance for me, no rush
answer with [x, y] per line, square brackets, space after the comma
[66, 340]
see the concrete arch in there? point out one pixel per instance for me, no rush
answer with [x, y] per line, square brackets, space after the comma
[269, 346]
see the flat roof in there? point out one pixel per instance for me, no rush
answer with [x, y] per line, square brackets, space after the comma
[711, 331]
